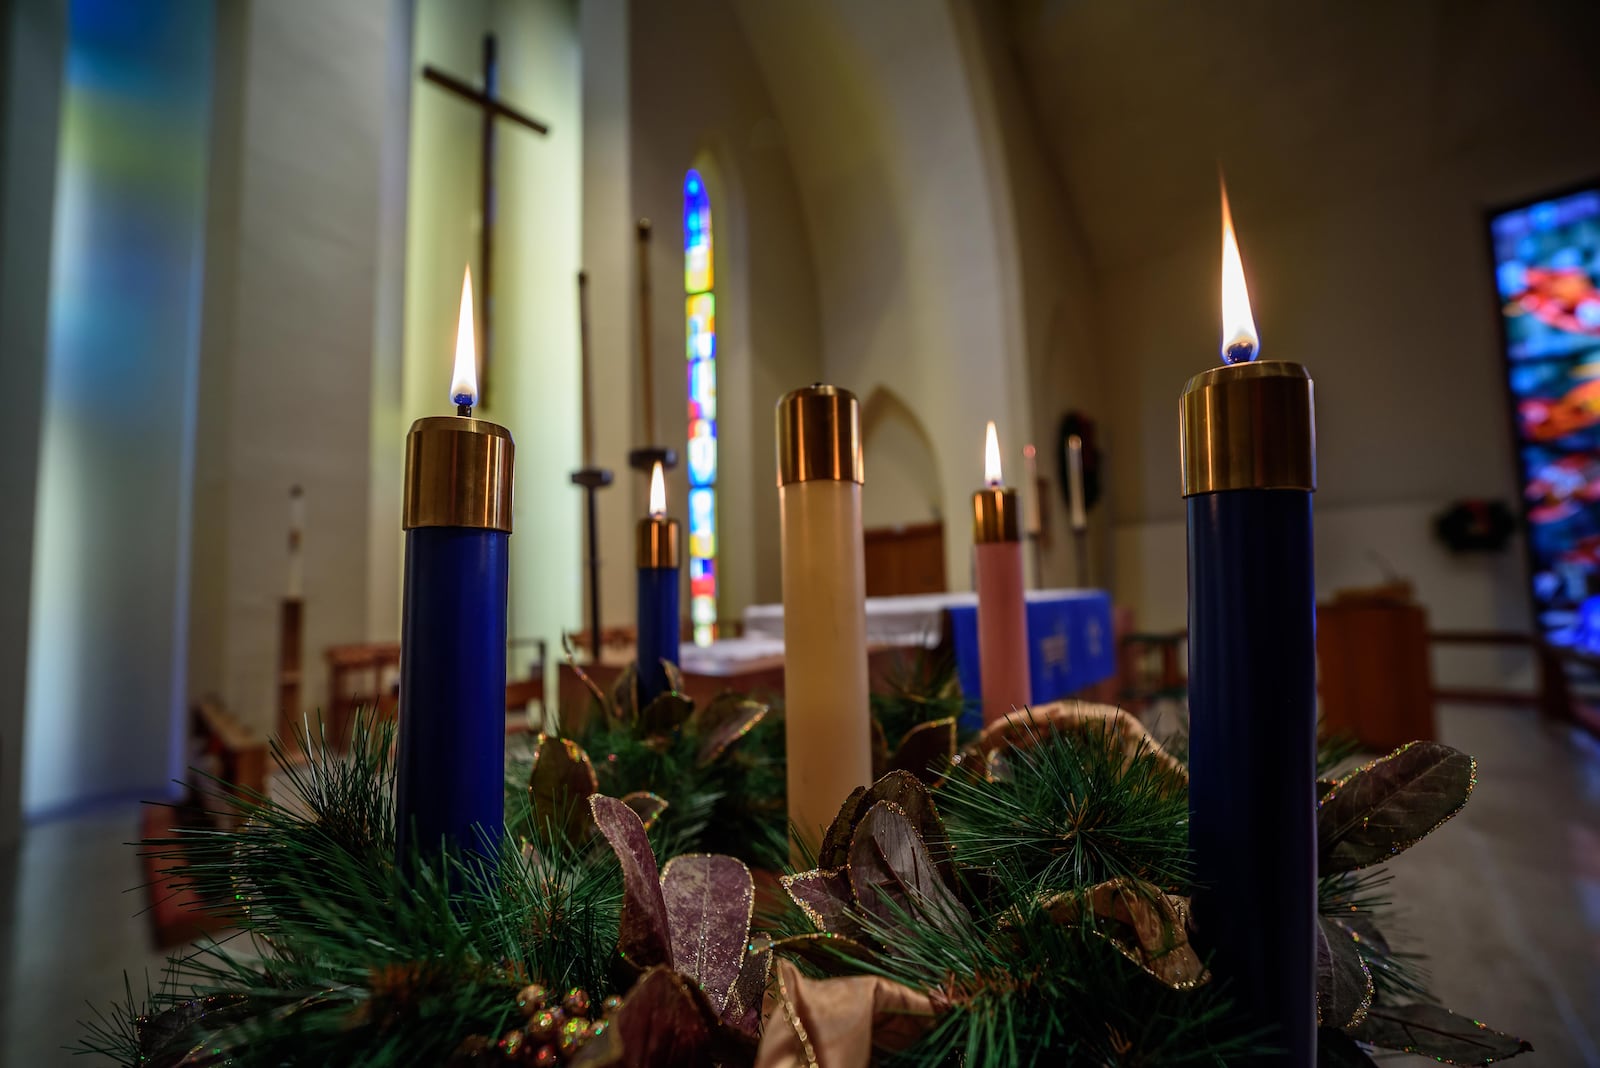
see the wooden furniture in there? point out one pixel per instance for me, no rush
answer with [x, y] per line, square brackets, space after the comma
[240, 752]
[1374, 672]
[905, 559]
[291, 623]
[365, 675]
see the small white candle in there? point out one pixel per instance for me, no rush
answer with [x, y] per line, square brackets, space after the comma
[297, 527]
[1080, 519]
[1032, 521]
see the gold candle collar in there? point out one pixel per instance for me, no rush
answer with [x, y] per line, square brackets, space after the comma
[819, 436]
[1248, 426]
[994, 515]
[656, 542]
[458, 474]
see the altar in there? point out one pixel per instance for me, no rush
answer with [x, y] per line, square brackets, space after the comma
[1070, 642]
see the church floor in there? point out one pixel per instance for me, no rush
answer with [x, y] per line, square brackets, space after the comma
[1506, 899]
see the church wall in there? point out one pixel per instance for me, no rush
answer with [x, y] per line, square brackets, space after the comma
[698, 97]
[1364, 238]
[287, 364]
[534, 377]
[907, 219]
[608, 257]
[1048, 275]
[32, 42]
[110, 572]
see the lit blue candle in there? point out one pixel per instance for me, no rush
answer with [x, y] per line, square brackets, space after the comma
[657, 557]
[1249, 469]
[457, 517]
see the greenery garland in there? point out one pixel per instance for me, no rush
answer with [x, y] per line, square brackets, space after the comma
[1023, 901]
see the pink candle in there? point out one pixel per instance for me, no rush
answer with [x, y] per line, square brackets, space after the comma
[1002, 611]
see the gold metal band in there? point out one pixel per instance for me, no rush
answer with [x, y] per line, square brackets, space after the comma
[1249, 426]
[458, 474]
[819, 436]
[994, 515]
[656, 542]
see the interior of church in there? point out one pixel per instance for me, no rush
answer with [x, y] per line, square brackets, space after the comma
[246, 244]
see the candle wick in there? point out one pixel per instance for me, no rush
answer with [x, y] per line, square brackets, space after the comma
[464, 410]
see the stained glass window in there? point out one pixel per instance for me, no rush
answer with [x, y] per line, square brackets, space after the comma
[700, 332]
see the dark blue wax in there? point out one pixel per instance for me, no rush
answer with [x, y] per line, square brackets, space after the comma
[658, 629]
[1252, 754]
[450, 787]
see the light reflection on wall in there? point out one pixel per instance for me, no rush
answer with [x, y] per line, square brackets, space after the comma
[109, 591]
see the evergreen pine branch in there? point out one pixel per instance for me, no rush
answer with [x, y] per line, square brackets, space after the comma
[1359, 900]
[1074, 810]
[917, 691]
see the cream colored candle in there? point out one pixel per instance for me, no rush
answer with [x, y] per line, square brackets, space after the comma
[1032, 518]
[1077, 516]
[826, 715]
[1002, 606]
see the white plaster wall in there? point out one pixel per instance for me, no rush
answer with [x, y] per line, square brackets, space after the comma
[906, 218]
[1363, 144]
[32, 41]
[699, 98]
[111, 567]
[289, 336]
[534, 388]
[608, 257]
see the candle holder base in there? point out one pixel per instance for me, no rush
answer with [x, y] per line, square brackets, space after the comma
[592, 478]
[647, 456]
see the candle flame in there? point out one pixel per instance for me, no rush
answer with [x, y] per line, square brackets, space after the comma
[1240, 342]
[991, 456]
[658, 491]
[464, 382]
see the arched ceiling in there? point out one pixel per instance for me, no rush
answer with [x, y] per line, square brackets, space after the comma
[1301, 102]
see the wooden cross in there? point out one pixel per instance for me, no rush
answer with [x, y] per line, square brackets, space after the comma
[488, 101]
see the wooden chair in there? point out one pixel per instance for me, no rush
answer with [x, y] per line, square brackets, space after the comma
[359, 676]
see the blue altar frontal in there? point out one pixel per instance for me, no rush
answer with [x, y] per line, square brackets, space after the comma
[1070, 645]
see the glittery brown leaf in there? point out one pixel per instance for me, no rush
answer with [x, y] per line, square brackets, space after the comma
[1391, 804]
[559, 786]
[1344, 982]
[709, 900]
[843, 1022]
[905, 790]
[625, 694]
[1149, 927]
[664, 1020]
[174, 1036]
[721, 722]
[1437, 1033]
[833, 954]
[665, 714]
[880, 749]
[1027, 727]
[742, 1013]
[674, 676]
[926, 751]
[824, 895]
[643, 935]
[1335, 1049]
[890, 863]
[646, 805]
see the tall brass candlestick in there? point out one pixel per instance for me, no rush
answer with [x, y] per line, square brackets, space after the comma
[826, 721]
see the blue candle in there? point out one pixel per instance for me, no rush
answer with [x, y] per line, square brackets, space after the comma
[457, 518]
[658, 558]
[1249, 468]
